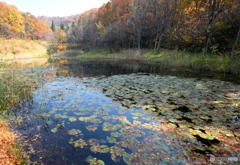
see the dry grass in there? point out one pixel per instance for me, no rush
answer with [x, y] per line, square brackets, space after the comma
[15, 48]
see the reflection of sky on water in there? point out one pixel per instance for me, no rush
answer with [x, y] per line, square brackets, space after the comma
[63, 98]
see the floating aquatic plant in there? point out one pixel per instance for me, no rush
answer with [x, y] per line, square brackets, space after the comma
[80, 143]
[91, 127]
[72, 119]
[74, 132]
[94, 161]
[54, 130]
[111, 140]
[93, 142]
[100, 148]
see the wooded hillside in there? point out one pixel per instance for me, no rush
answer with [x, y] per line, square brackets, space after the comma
[191, 25]
[15, 24]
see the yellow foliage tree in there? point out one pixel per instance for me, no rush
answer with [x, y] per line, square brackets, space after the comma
[11, 18]
[61, 35]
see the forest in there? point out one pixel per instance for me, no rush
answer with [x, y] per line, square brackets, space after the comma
[190, 25]
[208, 26]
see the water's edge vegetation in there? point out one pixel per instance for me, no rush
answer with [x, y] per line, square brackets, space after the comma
[15, 87]
[168, 58]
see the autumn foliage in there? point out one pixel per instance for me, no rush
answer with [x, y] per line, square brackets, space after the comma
[61, 47]
[24, 25]
[8, 149]
[191, 25]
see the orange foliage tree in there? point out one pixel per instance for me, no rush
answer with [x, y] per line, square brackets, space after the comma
[16, 24]
[11, 20]
[35, 28]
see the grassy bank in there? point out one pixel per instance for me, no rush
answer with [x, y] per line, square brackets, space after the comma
[12, 88]
[18, 48]
[168, 58]
[210, 62]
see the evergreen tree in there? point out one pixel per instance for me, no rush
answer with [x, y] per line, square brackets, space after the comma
[53, 27]
[62, 26]
[73, 25]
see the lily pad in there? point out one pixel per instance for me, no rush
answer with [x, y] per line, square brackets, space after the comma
[75, 132]
[72, 119]
[91, 127]
[80, 143]
[94, 161]
[100, 148]
[117, 151]
[54, 130]
[111, 140]
[93, 142]
[115, 134]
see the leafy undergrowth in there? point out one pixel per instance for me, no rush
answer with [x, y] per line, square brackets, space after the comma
[10, 153]
[203, 114]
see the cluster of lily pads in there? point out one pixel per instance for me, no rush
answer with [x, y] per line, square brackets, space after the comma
[200, 110]
[145, 119]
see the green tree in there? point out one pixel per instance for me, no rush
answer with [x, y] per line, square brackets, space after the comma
[53, 27]
[62, 26]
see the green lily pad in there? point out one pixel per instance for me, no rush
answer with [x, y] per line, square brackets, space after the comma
[110, 127]
[57, 115]
[54, 130]
[72, 119]
[94, 161]
[64, 116]
[75, 132]
[93, 142]
[91, 128]
[115, 134]
[80, 143]
[127, 158]
[116, 151]
[100, 148]
[111, 140]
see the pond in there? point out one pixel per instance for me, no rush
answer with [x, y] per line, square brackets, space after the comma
[127, 112]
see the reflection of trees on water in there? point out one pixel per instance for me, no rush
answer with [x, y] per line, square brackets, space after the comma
[107, 68]
[30, 115]
[93, 68]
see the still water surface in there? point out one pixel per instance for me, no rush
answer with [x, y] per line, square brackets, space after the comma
[88, 112]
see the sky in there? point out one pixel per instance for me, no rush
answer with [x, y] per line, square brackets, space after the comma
[55, 7]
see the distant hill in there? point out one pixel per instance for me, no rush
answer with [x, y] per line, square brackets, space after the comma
[58, 20]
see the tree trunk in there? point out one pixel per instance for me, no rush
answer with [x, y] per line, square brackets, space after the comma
[159, 42]
[235, 44]
[213, 4]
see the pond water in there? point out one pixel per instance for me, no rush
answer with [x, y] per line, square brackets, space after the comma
[127, 112]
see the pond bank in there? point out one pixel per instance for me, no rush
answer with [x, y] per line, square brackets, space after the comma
[168, 58]
[14, 86]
